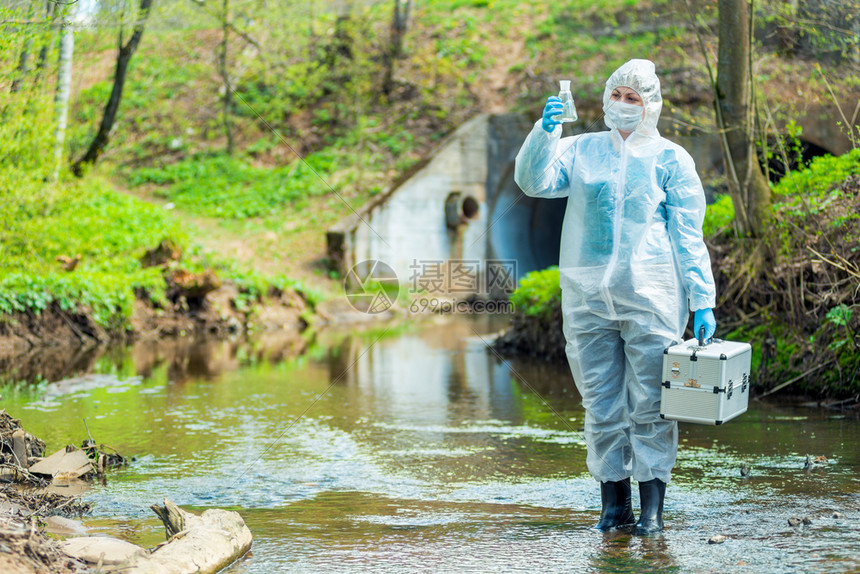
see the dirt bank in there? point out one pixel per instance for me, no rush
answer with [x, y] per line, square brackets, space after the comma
[25, 548]
[58, 343]
[540, 337]
[25, 505]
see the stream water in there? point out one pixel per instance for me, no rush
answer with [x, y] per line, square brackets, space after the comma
[417, 449]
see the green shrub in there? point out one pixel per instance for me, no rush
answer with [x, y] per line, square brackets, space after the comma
[110, 231]
[814, 183]
[538, 292]
[719, 215]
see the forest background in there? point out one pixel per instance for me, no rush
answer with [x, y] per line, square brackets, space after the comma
[246, 128]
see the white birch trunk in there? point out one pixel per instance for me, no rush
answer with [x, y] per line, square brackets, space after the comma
[64, 89]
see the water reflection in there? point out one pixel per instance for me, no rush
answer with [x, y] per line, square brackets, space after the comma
[443, 374]
[184, 359]
[47, 363]
[621, 552]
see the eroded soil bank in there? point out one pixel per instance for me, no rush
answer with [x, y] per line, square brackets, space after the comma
[56, 343]
[26, 502]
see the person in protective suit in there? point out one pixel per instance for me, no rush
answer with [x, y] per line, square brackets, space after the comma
[633, 265]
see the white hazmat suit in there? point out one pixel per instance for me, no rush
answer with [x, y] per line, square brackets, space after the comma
[633, 265]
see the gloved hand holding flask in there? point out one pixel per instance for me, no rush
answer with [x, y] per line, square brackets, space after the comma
[551, 113]
[559, 109]
[568, 113]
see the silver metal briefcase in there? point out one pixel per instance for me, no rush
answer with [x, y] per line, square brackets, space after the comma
[705, 383]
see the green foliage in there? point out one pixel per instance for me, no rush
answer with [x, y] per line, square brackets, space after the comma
[780, 360]
[300, 84]
[813, 211]
[230, 187]
[538, 292]
[816, 181]
[805, 194]
[109, 231]
[840, 317]
[148, 123]
[719, 215]
[823, 29]
[41, 222]
[839, 332]
[793, 144]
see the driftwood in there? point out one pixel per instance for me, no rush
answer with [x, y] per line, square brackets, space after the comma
[205, 543]
[172, 517]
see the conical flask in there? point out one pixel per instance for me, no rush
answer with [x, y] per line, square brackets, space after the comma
[568, 113]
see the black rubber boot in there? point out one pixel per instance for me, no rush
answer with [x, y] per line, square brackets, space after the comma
[651, 495]
[617, 510]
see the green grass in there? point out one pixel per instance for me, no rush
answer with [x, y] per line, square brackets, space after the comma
[110, 231]
[226, 187]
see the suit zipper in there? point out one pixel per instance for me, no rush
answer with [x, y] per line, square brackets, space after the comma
[616, 230]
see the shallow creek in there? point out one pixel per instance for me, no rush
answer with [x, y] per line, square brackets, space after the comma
[417, 449]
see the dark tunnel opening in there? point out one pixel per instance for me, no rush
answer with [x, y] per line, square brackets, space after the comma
[786, 158]
[525, 229]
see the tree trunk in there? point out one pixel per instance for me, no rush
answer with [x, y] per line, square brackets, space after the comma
[64, 89]
[24, 59]
[749, 188]
[126, 51]
[51, 12]
[23, 65]
[399, 26]
[225, 77]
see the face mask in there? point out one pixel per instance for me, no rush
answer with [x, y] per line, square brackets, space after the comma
[624, 116]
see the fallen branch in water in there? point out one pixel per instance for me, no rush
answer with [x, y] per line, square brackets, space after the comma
[204, 543]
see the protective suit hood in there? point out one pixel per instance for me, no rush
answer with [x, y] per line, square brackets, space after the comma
[638, 75]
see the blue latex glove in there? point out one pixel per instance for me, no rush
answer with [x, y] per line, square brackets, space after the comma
[704, 318]
[553, 108]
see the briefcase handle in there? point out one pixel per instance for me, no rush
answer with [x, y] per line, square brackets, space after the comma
[702, 336]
